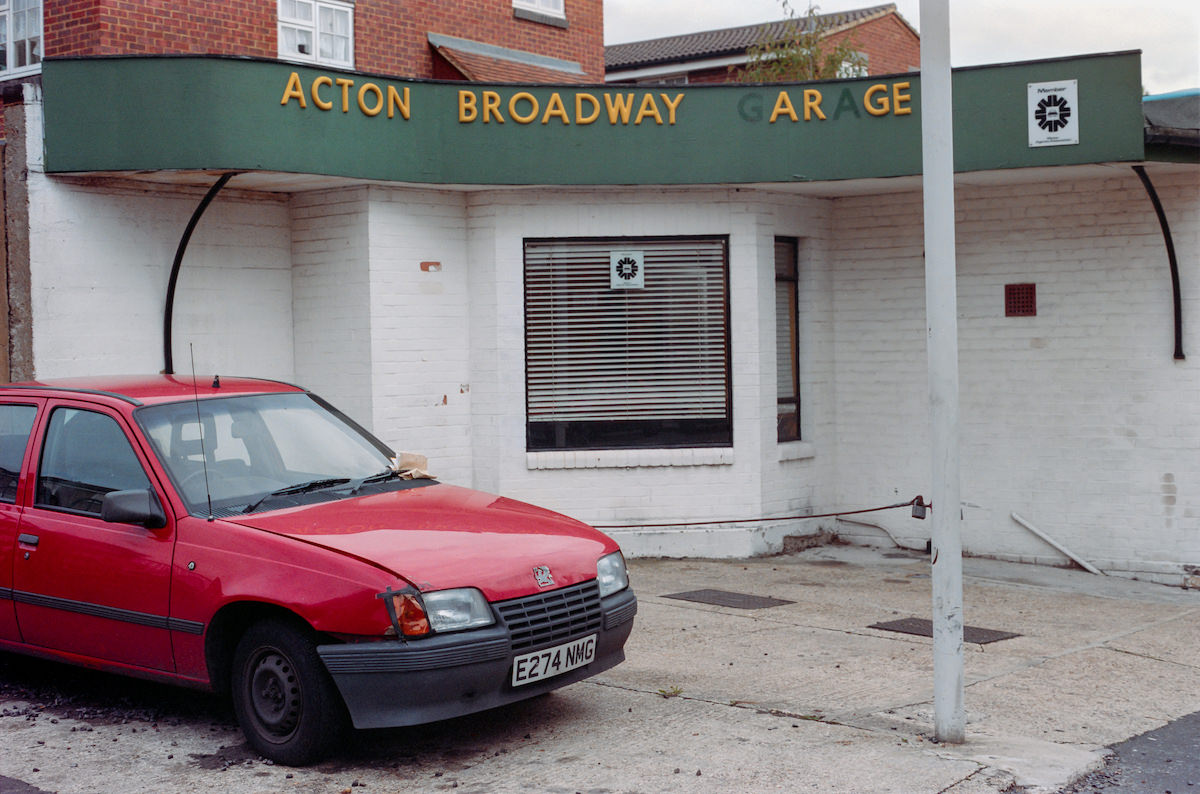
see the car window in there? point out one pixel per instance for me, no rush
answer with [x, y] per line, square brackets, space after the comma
[226, 453]
[85, 456]
[16, 421]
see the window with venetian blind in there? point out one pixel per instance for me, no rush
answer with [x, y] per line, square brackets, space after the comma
[787, 338]
[614, 368]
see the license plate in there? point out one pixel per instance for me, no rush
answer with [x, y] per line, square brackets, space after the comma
[530, 667]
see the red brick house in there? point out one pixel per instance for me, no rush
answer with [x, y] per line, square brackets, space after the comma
[889, 43]
[485, 40]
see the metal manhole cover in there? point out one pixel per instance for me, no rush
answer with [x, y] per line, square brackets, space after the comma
[924, 628]
[722, 598]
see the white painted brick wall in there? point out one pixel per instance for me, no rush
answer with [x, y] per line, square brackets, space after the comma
[420, 326]
[642, 486]
[330, 291]
[100, 259]
[1077, 419]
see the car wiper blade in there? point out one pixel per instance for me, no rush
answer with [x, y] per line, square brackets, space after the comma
[380, 476]
[298, 488]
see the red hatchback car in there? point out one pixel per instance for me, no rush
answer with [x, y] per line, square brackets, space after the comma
[244, 536]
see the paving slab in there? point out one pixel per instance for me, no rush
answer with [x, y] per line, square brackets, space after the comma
[796, 697]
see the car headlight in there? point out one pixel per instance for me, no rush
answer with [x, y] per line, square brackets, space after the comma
[611, 574]
[454, 610]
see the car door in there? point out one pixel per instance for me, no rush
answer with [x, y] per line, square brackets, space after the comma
[16, 424]
[80, 584]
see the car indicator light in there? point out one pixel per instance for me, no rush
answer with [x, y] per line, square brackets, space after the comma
[405, 612]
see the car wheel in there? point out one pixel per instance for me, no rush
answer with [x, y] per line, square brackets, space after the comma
[284, 699]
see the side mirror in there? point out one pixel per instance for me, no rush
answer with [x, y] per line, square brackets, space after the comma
[133, 507]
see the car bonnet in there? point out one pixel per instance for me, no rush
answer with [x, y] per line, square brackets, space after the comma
[443, 536]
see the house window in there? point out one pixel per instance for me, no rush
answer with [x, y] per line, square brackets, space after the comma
[317, 31]
[552, 8]
[856, 66]
[673, 79]
[627, 343]
[787, 338]
[20, 37]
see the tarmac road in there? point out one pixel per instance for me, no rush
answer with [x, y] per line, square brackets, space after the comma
[802, 696]
[1166, 760]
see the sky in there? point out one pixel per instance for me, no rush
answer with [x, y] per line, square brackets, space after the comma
[981, 31]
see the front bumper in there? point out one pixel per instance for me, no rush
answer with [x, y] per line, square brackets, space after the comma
[393, 683]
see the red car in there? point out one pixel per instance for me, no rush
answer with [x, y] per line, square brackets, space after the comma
[244, 536]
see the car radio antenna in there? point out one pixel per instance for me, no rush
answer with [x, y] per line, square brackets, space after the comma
[200, 430]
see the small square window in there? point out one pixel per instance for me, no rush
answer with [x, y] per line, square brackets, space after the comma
[1020, 300]
[317, 31]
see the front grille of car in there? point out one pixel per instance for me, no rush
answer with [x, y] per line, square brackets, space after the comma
[550, 618]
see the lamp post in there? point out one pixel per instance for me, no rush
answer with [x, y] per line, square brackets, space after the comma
[941, 313]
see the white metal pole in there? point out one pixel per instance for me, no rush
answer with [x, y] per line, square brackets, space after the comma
[941, 312]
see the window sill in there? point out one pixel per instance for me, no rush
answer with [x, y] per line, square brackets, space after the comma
[314, 62]
[796, 450]
[530, 15]
[628, 458]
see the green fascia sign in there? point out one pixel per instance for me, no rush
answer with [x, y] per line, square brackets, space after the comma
[219, 113]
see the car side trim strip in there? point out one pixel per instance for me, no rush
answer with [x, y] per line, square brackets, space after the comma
[109, 613]
[6, 594]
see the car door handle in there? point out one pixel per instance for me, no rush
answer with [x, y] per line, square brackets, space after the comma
[28, 540]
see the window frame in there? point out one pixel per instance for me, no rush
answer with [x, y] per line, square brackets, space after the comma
[313, 27]
[48, 445]
[669, 432]
[19, 460]
[549, 8]
[788, 429]
[7, 70]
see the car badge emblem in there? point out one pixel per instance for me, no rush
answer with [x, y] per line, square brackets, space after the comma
[543, 577]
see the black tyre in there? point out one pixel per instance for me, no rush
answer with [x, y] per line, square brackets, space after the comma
[284, 699]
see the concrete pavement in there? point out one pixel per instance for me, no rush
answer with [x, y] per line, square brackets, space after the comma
[1098, 660]
[795, 697]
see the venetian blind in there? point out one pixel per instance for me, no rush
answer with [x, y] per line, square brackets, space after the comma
[598, 353]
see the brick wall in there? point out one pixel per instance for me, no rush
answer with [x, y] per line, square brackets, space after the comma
[1078, 419]
[634, 486]
[331, 297]
[100, 258]
[390, 35]
[148, 27]
[890, 45]
[420, 326]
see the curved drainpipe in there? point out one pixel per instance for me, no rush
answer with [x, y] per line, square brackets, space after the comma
[1166, 231]
[168, 314]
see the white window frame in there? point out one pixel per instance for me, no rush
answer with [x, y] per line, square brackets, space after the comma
[551, 8]
[312, 27]
[7, 30]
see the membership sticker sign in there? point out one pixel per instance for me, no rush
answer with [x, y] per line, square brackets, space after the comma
[627, 270]
[1054, 113]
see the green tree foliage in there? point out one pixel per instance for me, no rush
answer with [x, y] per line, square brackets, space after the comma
[802, 52]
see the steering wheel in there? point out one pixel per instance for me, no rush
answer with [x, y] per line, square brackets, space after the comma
[197, 477]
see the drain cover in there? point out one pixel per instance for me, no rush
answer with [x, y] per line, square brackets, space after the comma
[924, 628]
[722, 598]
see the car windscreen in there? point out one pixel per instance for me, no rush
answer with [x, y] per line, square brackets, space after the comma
[240, 451]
